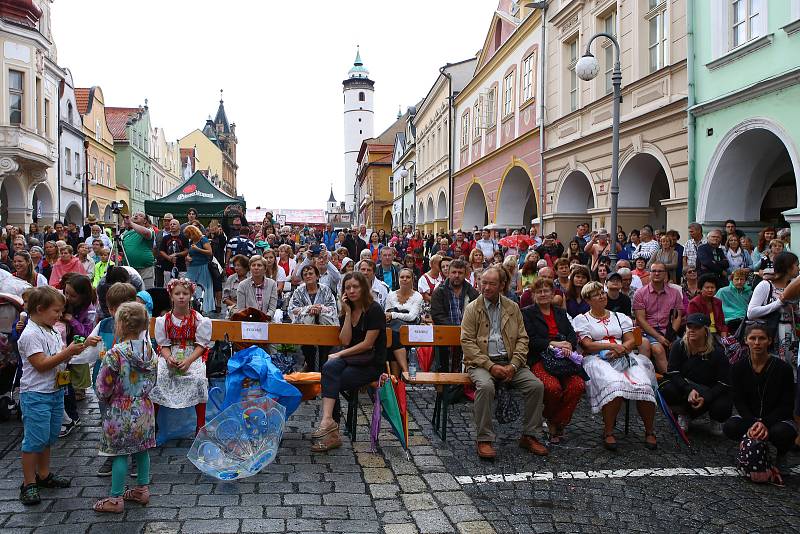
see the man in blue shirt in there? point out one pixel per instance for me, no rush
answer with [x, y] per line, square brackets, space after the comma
[387, 270]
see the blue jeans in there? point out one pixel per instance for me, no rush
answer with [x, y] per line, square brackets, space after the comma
[41, 419]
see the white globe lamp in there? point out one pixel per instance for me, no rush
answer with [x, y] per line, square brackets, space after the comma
[587, 67]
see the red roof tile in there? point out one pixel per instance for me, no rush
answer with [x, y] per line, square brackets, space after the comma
[82, 99]
[117, 119]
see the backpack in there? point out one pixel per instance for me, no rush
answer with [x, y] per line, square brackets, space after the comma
[753, 461]
[241, 247]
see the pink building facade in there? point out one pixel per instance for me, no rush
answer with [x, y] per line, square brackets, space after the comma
[496, 138]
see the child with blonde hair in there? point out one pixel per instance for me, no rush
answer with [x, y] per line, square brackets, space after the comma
[127, 375]
[44, 378]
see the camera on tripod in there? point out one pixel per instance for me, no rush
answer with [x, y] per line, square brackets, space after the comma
[116, 207]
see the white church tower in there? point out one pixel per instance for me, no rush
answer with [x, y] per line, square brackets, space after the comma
[358, 92]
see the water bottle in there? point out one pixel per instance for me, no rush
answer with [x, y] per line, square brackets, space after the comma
[412, 363]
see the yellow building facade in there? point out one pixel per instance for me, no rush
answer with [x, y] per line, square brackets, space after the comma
[100, 155]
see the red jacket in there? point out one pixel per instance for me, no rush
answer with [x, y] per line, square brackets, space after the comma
[464, 249]
[699, 305]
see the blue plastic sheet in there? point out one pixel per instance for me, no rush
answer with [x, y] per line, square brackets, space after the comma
[255, 364]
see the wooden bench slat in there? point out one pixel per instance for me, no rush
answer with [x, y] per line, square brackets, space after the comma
[443, 336]
[439, 379]
[291, 334]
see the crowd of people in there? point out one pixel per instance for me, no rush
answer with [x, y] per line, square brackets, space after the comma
[553, 320]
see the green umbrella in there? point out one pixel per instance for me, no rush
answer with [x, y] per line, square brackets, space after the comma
[390, 409]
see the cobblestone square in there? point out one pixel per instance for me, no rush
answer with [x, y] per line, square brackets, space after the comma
[444, 487]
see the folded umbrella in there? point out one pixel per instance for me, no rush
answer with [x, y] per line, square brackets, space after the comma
[662, 403]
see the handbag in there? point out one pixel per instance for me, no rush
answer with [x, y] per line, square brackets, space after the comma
[214, 267]
[217, 363]
[362, 359]
[556, 365]
[753, 461]
[506, 409]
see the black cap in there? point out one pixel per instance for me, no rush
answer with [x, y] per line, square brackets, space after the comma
[315, 250]
[614, 276]
[698, 319]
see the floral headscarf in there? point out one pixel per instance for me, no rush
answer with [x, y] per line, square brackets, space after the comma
[185, 282]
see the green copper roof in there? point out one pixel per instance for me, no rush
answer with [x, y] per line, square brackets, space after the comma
[358, 70]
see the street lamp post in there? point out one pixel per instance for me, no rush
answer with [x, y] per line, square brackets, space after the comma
[586, 69]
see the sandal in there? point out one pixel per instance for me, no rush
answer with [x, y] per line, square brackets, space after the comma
[329, 442]
[651, 445]
[112, 505]
[140, 494]
[322, 432]
[29, 494]
[610, 445]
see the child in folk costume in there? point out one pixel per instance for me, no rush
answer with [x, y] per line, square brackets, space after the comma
[183, 336]
[127, 375]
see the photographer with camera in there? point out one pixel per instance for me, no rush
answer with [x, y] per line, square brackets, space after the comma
[137, 246]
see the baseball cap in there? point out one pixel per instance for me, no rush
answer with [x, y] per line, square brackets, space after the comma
[315, 250]
[698, 319]
[614, 276]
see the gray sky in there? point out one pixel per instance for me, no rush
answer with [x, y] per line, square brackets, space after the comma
[281, 69]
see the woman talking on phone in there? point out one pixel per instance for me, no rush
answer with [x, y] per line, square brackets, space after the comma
[363, 359]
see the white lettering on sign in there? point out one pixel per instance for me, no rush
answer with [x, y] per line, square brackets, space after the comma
[183, 196]
[420, 334]
[255, 331]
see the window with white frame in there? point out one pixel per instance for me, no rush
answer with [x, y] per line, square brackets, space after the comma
[100, 178]
[16, 93]
[657, 34]
[527, 78]
[476, 121]
[465, 129]
[68, 159]
[108, 173]
[610, 27]
[94, 168]
[572, 55]
[491, 107]
[508, 95]
[97, 135]
[77, 163]
[745, 21]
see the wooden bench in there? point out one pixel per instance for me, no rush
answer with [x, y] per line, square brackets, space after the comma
[292, 334]
[446, 383]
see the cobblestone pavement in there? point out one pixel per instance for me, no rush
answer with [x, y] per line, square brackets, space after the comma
[437, 488]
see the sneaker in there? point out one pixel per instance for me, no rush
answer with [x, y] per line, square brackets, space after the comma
[133, 471]
[52, 481]
[683, 422]
[66, 428]
[29, 495]
[105, 469]
[715, 428]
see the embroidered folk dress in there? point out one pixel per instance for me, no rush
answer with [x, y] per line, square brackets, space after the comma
[127, 375]
[606, 383]
[175, 389]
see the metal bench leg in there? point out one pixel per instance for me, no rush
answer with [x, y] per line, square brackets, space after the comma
[352, 414]
[447, 396]
[437, 412]
[627, 415]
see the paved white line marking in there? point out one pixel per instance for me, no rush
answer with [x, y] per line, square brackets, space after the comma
[725, 471]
